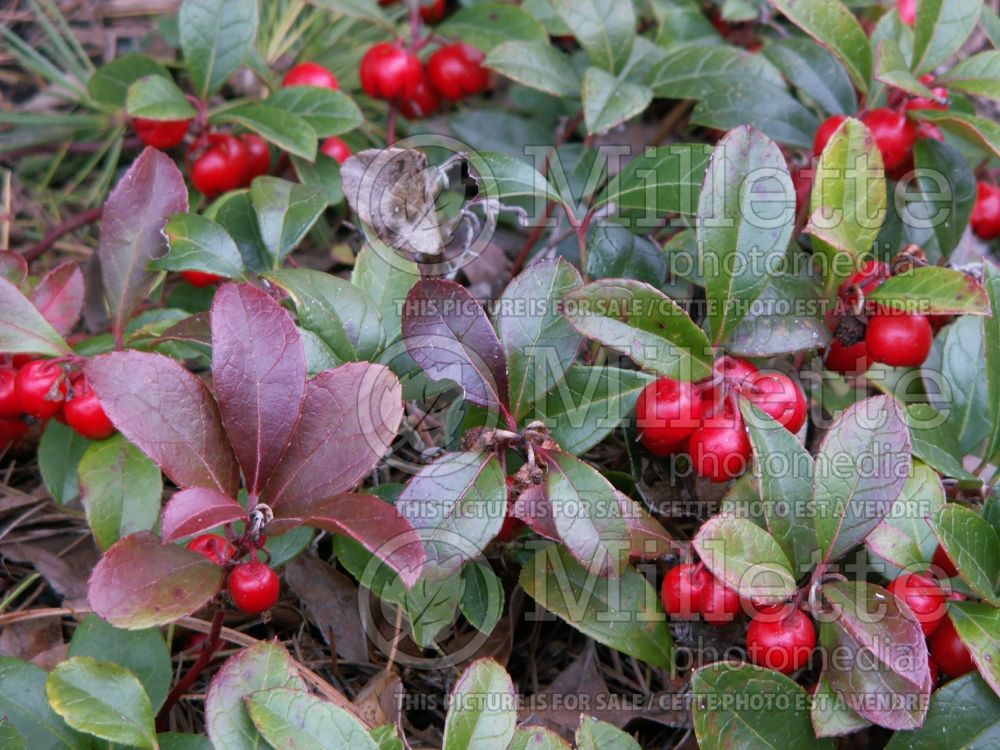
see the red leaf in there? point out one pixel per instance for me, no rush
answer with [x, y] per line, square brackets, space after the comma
[169, 414]
[259, 373]
[141, 582]
[369, 520]
[132, 224]
[448, 334]
[349, 417]
[533, 507]
[59, 296]
[197, 510]
[13, 267]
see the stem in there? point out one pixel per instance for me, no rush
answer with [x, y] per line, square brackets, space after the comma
[208, 650]
[53, 235]
[531, 241]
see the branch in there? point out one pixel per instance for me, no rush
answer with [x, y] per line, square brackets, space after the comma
[55, 234]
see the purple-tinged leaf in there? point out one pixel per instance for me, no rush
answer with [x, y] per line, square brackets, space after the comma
[533, 507]
[259, 373]
[978, 625]
[350, 415]
[197, 510]
[169, 414]
[375, 524]
[13, 267]
[859, 473]
[881, 666]
[448, 334]
[141, 582]
[746, 558]
[59, 296]
[830, 714]
[23, 328]
[648, 540]
[149, 193]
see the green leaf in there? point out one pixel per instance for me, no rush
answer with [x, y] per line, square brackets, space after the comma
[904, 538]
[978, 625]
[784, 472]
[786, 318]
[767, 107]
[327, 112]
[488, 25]
[848, 202]
[980, 131]
[537, 738]
[831, 24]
[941, 29]
[109, 84]
[892, 69]
[338, 312]
[624, 614]
[964, 715]
[156, 97]
[852, 491]
[10, 738]
[539, 342]
[142, 652]
[121, 490]
[583, 409]
[367, 10]
[386, 277]
[991, 340]
[284, 129]
[285, 213]
[933, 290]
[199, 244]
[724, 724]
[181, 741]
[978, 75]
[934, 441]
[695, 71]
[216, 36]
[613, 252]
[814, 71]
[323, 173]
[23, 328]
[746, 558]
[641, 322]
[664, 180]
[482, 714]
[482, 596]
[830, 714]
[974, 547]
[504, 177]
[59, 454]
[608, 101]
[290, 718]
[23, 703]
[682, 22]
[604, 28]
[235, 213]
[599, 735]
[954, 378]
[102, 699]
[536, 65]
[745, 216]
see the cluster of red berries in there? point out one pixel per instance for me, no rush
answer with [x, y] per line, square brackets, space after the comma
[780, 636]
[394, 73]
[895, 338]
[928, 602]
[703, 419]
[253, 585]
[36, 390]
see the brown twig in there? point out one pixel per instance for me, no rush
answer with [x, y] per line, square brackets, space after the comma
[53, 235]
[208, 650]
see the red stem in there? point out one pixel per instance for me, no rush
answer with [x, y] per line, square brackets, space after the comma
[208, 650]
[53, 235]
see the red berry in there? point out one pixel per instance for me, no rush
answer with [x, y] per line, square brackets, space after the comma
[870, 276]
[735, 369]
[160, 134]
[258, 153]
[719, 604]
[825, 132]
[423, 103]
[200, 278]
[899, 340]
[223, 167]
[894, 134]
[41, 387]
[932, 668]
[784, 645]
[456, 71]
[390, 72]
[986, 213]
[949, 651]
[336, 148]
[20, 360]
[802, 179]
[848, 360]
[924, 597]
[778, 395]
[84, 413]
[10, 407]
[682, 590]
[214, 547]
[907, 11]
[310, 74]
[929, 131]
[253, 586]
[720, 449]
[942, 561]
[922, 102]
[432, 11]
[12, 428]
[667, 412]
